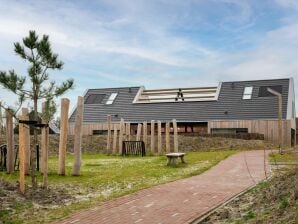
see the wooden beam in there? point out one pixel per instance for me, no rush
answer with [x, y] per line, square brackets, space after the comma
[45, 148]
[174, 97]
[177, 89]
[145, 133]
[22, 155]
[161, 93]
[139, 132]
[121, 135]
[175, 135]
[152, 133]
[115, 139]
[78, 137]
[63, 135]
[168, 142]
[109, 121]
[159, 143]
[127, 131]
[25, 115]
[10, 142]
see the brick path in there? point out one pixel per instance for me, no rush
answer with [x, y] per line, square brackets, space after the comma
[181, 201]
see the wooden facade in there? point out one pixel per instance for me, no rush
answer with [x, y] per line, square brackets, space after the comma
[269, 128]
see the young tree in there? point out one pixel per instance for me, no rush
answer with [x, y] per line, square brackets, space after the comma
[38, 53]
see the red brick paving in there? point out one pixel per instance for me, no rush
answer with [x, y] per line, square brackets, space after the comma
[181, 201]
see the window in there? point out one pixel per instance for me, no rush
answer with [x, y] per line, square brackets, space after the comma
[112, 98]
[229, 130]
[247, 93]
[95, 99]
[263, 92]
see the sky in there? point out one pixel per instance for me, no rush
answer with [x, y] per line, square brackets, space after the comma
[156, 43]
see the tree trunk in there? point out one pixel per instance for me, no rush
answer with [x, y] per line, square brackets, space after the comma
[10, 143]
[33, 149]
[78, 137]
[63, 135]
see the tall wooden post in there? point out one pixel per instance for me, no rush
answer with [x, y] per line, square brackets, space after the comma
[168, 142]
[145, 133]
[22, 154]
[159, 137]
[1, 121]
[127, 131]
[25, 115]
[109, 121]
[175, 135]
[280, 126]
[45, 147]
[152, 136]
[10, 142]
[115, 139]
[121, 135]
[78, 137]
[63, 135]
[139, 132]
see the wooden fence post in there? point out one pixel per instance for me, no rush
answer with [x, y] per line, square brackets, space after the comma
[139, 132]
[175, 135]
[25, 115]
[159, 137]
[152, 136]
[63, 135]
[10, 142]
[1, 120]
[45, 148]
[115, 139]
[127, 132]
[22, 154]
[168, 147]
[145, 133]
[121, 135]
[109, 120]
[78, 137]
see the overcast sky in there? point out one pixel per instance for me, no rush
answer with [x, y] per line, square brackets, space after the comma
[166, 43]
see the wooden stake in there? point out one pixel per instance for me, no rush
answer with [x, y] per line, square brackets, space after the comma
[168, 147]
[127, 132]
[280, 128]
[45, 147]
[10, 142]
[145, 133]
[139, 132]
[159, 137]
[121, 135]
[63, 135]
[115, 139]
[175, 135]
[22, 154]
[152, 136]
[78, 137]
[25, 115]
[109, 120]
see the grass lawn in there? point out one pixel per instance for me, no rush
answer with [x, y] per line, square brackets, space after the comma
[106, 177]
[287, 157]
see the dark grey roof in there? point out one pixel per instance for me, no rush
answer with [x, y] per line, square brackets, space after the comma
[229, 105]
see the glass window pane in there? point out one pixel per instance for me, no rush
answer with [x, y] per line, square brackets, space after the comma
[112, 98]
[248, 90]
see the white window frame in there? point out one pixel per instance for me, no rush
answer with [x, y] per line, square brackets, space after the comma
[247, 93]
[112, 98]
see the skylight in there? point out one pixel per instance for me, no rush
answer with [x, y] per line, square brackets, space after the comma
[111, 98]
[178, 95]
[247, 92]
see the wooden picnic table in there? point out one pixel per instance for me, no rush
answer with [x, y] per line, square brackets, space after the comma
[172, 158]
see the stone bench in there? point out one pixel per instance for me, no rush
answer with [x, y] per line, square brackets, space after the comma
[172, 158]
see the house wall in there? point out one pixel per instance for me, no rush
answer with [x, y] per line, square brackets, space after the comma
[267, 127]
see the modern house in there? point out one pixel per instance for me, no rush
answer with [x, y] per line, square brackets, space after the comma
[229, 107]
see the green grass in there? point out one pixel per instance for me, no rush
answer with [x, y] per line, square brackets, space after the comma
[107, 177]
[287, 157]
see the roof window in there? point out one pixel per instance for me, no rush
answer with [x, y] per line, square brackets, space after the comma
[247, 92]
[111, 98]
[94, 99]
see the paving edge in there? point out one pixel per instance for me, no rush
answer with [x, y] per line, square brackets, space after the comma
[213, 210]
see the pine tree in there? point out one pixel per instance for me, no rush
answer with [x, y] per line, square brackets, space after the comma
[38, 53]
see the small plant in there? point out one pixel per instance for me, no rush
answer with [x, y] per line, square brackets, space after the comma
[249, 215]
